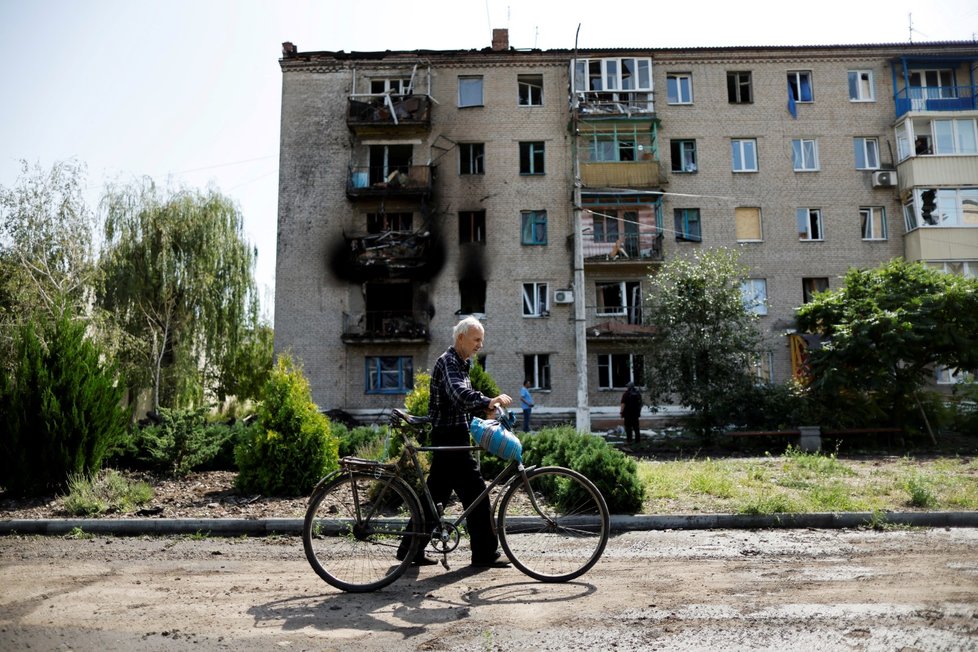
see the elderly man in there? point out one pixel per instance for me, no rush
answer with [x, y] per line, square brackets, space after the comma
[451, 404]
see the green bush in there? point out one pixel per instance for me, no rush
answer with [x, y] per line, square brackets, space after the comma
[60, 408]
[352, 441]
[293, 446]
[614, 473]
[180, 441]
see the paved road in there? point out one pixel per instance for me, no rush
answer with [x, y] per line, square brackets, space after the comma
[900, 589]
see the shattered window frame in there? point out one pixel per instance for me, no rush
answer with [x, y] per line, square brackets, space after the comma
[471, 158]
[533, 158]
[472, 227]
[529, 90]
[536, 299]
[533, 228]
[740, 87]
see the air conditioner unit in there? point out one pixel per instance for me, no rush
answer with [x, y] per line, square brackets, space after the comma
[884, 178]
[563, 296]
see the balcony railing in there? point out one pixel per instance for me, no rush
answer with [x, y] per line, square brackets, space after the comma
[388, 110]
[640, 247]
[389, 181]
[936, 98]
[386, 325]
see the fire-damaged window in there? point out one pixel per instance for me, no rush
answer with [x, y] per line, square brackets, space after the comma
[620, 298]
[472, 296]
[471, 158]
[472, 227]
[384, 222]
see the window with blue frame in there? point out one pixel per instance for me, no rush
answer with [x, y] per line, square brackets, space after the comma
[688, 224]
[389, 374]
[533, 230]
[532, 158]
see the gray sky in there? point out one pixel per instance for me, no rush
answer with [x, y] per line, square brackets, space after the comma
[188, 92]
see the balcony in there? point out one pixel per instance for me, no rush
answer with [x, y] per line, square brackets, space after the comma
[391, 255]
[386, 326]
[934, 170]
[629, 248]
[375, 114]
[403, 181]
[617, 103]
[620, 174]
[936, 98]
[941, 243]
[615, 323]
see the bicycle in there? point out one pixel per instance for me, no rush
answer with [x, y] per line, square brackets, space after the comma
[552, 522]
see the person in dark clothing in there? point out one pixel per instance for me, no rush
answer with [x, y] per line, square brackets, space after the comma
[631, 408]
[451, 404]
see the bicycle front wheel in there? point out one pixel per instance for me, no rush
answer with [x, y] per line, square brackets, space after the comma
[358, 533]
[554, 527]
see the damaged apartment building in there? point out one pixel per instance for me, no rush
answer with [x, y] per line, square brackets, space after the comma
[540, 189]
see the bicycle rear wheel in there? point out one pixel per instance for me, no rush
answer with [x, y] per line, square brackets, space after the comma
[354, 526]
[555, 526]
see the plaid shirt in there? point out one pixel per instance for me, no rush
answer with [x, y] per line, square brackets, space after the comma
[452, 399]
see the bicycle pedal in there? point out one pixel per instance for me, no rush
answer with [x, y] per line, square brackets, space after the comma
[444, 562]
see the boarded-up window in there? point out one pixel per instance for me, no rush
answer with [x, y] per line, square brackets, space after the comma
[748, 223]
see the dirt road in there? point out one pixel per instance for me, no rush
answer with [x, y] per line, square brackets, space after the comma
[674, 590]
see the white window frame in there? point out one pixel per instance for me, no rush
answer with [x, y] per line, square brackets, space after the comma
[525, 86]
[810, 225]
[740, 150]
[804, 154]
[753, 292]
[679, 88]
[861, 86]
[687, 155]
[536, 299]
[797, 89]
[539, 372]
[870, 217]
[956, 139]
[467, 91]
[606, 367]
[612, 77]
[867, 153]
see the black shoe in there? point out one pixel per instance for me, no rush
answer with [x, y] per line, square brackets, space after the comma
[495, 561]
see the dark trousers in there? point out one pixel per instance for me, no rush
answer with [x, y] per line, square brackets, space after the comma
[458, 472]
[631, 427]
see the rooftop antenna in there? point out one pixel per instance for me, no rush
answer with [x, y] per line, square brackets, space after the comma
[536, 35]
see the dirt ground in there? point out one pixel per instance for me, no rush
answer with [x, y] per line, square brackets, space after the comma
[900, 589]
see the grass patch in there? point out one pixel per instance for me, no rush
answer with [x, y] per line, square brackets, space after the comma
[107, 492]
[798, 482]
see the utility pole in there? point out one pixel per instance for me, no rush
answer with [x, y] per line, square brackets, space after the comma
[583, 416]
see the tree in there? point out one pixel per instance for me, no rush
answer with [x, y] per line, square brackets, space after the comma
[705, 340]
[46, 252]
[179, 276]
[887, 328]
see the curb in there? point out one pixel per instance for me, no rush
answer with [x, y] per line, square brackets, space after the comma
[232, 527]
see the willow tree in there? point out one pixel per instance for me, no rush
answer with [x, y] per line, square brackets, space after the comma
[179, 276]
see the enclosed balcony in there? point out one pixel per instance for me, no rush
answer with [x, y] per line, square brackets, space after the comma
[618, 154]
[369, 114]
[935, 83]
[383, 181]
[613, 235]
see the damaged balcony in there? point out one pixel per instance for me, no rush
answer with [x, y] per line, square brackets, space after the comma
[617, 235]
[615, 323]
[392, 255]
[403, 181]
[375, 114]
[386, 326]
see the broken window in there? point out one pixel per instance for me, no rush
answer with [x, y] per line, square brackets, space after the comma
[536, 369]
[809, 223]
[683, 154]
[386, 160]
[687, 222]
[616, 370]
[471, 158]
[753, 292]
[472, 296]
[530, 90]
[531, 157]
[861, 86]
[384, 222]
[747, 223]
[739, 87]
[873, 219]
[392, 86]
[811, 286]
[800, 85]
[472, 227]
[535, 300]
